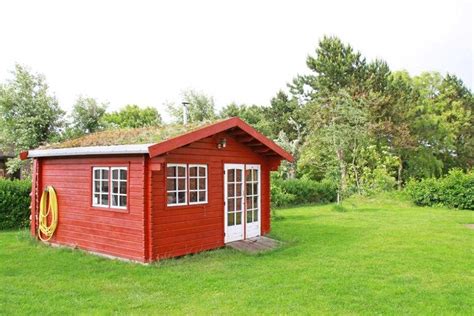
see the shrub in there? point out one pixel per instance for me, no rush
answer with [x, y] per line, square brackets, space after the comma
[14, 203]
[454, 190]
[302, 191]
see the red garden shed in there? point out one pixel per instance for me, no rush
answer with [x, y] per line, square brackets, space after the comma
[151, 193]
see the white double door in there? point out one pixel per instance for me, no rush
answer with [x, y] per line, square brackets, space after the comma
[242, 201]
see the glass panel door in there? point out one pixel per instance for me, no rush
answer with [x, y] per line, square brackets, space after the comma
[234, 201]
[252, 200]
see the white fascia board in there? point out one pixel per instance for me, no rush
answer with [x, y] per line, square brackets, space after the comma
[92, 150]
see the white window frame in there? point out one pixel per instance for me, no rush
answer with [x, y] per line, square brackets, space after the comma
[109, 193]
[94, 192]
[176, 190]
[119, 194]
[198, 190]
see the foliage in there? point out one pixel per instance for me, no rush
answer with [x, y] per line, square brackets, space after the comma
[29, 114]
[14, 203]
[253, 115]
[301, 191]
[132, 116]
[382, 256]
[454, 190]
[87, 114]
[200, 108]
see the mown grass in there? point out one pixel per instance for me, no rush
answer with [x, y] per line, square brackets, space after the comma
[378, 256]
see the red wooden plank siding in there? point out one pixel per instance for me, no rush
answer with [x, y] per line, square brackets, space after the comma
[115, 232]
[180, 230]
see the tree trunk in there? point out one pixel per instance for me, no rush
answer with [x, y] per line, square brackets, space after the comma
[342, 170]
[399, 176]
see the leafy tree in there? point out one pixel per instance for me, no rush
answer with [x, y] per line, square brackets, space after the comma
[284, 114]
[200, 108]
[133, 116]
[29, 114]
[254, 115]
[87, 114]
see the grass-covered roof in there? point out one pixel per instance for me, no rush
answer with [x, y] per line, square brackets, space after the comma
[144, 135]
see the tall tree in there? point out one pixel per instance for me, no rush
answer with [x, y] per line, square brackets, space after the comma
[132, 116]
[200, 107]
[29, 113]
[253, 115]
[87, 114]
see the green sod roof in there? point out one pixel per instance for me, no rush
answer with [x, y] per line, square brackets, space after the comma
[129, 136]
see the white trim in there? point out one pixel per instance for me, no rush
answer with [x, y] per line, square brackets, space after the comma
[91, 150]
[259, 201]
[176, 189]
[100, 193]
[228, 236]
[119, 194]
[197, 181]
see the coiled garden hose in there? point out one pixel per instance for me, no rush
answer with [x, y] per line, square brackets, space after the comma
[45, 231]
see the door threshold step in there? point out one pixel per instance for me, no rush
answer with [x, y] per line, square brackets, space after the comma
[255, 244]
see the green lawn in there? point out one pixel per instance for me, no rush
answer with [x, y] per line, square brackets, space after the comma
[381, 256]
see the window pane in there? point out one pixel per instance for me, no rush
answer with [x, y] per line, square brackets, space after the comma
[249, 203]
[248, 175]
[123, 174]
[238, 219]
[192, 171]
[230, 205]
[171, 171]
[239, 190]
[230, 219]
[170, 184]
[193, 184]
[255, 215]
[104, 199]
[202, 196]
[181, 171]
[202, 183]
[255, 175]
[238, 173]
[115, 187]
[123, 187]
[97, 174]
[238, 204]
[255, 188]
[181, 184]
[105, 186]
[230, 190]
[171, 197]
[249, 189]
[115, 200]
[202, 172]
[123, 200]
[96, 198]
[193, 196]
[230, 175]
[105, 174]
[115, 174]
[255, 201]
[181, 197]
[96, 186]
[249, 217]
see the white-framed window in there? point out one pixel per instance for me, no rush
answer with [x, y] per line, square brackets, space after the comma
[109, 187]
[176, 184]
[100, 185]
[119, 187]
[197, 184]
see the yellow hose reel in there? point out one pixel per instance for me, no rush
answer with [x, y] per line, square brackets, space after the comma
[48, 209]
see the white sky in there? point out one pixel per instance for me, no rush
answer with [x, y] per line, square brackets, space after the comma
[146, 52]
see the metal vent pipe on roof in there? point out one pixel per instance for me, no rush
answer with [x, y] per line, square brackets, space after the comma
[185, 112]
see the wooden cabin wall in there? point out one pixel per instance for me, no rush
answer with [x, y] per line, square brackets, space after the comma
[180, 230]
[114, 232]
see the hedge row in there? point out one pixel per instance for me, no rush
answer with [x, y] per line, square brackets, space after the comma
[14, 203]
[454, 190]
[301, 191]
